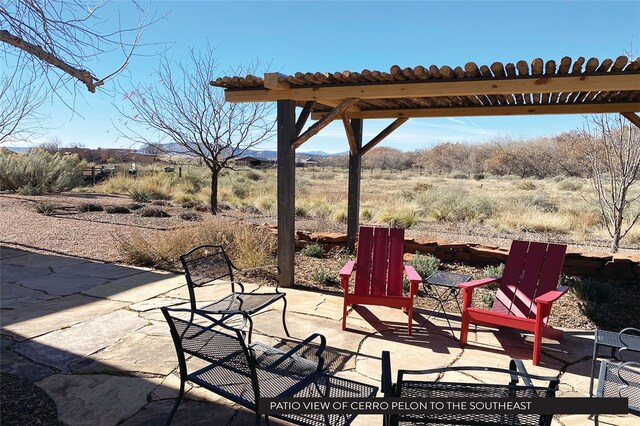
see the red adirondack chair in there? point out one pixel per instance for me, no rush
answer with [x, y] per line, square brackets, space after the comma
[528, 287]
[378, 267]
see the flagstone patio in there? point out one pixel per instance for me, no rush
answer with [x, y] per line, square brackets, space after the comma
[92, 336]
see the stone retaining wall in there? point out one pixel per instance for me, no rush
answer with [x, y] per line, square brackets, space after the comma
[603, 265]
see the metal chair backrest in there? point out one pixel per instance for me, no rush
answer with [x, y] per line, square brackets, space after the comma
[620, 380]
[379, 261]
[205, 264]
[532, 269]
[198, 334]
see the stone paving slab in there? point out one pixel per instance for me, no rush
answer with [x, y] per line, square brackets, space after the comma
[62, 283]
[13, 363]
[36, 260]
[8, 253]
[44, 317]
[96, 399]
[137, 288]
[12, 273]
[98, 270]
[59, 348]
[14, 296]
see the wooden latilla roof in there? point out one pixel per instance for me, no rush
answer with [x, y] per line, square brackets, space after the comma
[567, 87]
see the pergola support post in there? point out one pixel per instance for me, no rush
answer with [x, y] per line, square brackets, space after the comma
[355, 171]
[286, 191]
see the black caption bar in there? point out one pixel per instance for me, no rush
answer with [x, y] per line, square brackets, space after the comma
[275, 406]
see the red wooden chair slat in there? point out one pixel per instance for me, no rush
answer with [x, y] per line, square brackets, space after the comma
[378, 269]
[365, 249]
[396, 253]
[531, 271]
[380, 262]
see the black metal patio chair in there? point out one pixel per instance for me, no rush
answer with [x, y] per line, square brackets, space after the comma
[245, 372]
[414, 388]
[623, 342]
[620, 380]
[210, 265]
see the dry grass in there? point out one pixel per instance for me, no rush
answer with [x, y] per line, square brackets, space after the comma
[247, 245]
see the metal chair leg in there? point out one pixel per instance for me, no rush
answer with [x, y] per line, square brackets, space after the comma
[284, 322]
[175, 406]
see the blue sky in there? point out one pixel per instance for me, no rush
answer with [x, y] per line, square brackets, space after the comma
[336, 36]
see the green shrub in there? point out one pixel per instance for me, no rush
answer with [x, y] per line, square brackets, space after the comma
[486, 299]
[399, 219]
[478, 176]
[240, 191]
[366, 214]
[460, 176]
[38, 172]
[45, 208]
[491, 271]
[302, 211]
[153, 212]
[89, 207]
[425, 265]
[253, 175]
[117, 210]
[190, 216]
[324, 277]
[313, 250]
[543, 203]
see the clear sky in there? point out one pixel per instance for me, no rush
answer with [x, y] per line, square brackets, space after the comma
[336, 36]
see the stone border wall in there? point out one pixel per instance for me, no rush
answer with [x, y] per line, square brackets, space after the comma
[602, 265]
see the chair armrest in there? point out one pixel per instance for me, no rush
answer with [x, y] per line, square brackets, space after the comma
[414, 279]
[551, 296]
[305, 342]
[386, 380]
[477, 283]
[347, 269]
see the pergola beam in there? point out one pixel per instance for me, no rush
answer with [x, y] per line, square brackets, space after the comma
[323, 122]
[632, 117]
[351, 138]
[383, 134]
[304, 116]
[497, 110]
[433, 88]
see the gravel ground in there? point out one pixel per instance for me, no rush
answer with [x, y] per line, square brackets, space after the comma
[23, 403]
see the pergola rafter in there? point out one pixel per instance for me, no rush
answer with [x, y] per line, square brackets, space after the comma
[571, 87]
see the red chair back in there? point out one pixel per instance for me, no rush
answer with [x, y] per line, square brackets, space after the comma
[532, 269]
[379, 261]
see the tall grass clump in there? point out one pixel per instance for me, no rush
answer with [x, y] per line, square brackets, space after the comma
[38, 172]
[248, 246]
[455, 204]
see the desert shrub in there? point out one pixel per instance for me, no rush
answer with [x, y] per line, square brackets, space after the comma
[253, 175]
[153, 212]
[264, 203]
[136, 206]
[422, 186]
[491, 271]
[143, 195]
[525, 185]
[163, 203]
[89, 207]
[183, 198]
[326, 176]
[190, 216]
[366, 214]
[313, 250]
[28, 190]
[302, 211]
[324, 277]
[457, 206]
[544, 203]
[38, 172]
[593, 290]
[249, 209]
[45, 208]
[117, 209]
[240, 191]
[399, 219]
[340, 215]
[460, 176]
[248, 246]
[425, 265]
[568, 185]
[478, 176]
[200, 207]
[486, 299]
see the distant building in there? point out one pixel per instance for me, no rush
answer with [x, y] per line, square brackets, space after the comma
[255, 162]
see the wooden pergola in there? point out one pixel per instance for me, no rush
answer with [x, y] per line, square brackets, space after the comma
[567, 87]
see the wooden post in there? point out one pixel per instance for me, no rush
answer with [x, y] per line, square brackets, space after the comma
[93, 175]
[286, 191]
[179, 171]
[353, 203]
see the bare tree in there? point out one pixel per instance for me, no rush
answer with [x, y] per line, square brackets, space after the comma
[183, 112]
[20, 98]
[615, 165]
[66, 35]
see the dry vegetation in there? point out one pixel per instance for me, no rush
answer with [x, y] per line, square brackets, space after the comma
[560, 208]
